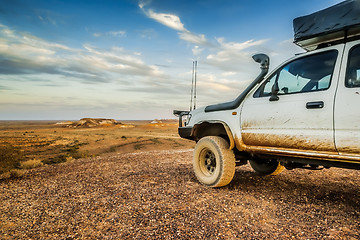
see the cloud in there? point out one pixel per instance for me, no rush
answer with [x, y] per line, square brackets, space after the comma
[117, 60]
[173, 21]
[169, 20]
[199, 39]
[22, 53]
[4, 88]
[147, 33]
[49, 17]
[227, 56]
[226, 74]
[119, 33]
[197, 50]
[239, 46]
[143, 3]
[235, 56]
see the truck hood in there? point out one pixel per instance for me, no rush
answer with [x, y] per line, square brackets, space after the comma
[196, 116]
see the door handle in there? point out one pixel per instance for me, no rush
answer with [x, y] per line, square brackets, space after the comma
[313, 105]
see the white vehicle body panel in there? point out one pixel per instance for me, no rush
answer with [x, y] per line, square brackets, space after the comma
[347, 112]
[287, 123]
[230, 118]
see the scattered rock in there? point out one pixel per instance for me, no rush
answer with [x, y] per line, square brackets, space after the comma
[155, 195]
[156, 121]
[64, 123]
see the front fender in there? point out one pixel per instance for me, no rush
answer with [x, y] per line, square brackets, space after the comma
[211, 128]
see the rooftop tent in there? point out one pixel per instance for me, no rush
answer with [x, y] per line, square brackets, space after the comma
[338, 22]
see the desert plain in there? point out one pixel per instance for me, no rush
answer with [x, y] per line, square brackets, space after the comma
[134, 180]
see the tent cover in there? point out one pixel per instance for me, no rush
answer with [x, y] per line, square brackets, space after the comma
[334, 23]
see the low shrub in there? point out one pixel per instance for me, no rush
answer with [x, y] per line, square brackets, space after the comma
[112, 149]
[10, 157]
[57, 159]
[16, 173]
[34, 163]
[155, 140]
[72, 150]
[11, 174]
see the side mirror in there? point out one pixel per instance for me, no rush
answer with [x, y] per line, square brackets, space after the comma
[274, 92]
[285, 90]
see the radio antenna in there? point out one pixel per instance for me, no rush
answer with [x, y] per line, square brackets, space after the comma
[193, 86]
[195, 72]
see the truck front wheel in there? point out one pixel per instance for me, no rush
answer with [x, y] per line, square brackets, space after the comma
[213, 161]
[266, 167]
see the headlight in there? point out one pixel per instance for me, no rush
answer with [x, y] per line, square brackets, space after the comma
[187, 120]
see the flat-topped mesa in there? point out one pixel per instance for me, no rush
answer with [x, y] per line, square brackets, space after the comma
[91, 122]
[95, 122]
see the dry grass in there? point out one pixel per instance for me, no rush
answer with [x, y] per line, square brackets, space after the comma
[12, 173]
[49, 143]
[10, 158]
[29, 164]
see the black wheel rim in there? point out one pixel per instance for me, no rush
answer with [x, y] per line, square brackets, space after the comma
[207, 162]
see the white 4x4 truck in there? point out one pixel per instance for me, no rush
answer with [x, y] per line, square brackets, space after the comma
[304, 114]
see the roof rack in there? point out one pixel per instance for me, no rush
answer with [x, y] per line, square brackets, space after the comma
[337, 24]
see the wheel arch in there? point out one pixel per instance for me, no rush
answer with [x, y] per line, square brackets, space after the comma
[213, 128]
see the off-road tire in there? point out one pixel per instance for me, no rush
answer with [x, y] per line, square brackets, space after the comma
[266, 167]
[213, 161]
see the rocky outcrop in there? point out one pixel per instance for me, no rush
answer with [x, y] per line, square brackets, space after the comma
[91, 122]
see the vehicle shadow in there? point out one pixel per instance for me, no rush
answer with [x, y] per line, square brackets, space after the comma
[300, 186]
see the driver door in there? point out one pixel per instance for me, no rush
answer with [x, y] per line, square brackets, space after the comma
[300, 115]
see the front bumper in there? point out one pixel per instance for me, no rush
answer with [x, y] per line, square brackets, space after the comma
[180, 114]
[185, 132]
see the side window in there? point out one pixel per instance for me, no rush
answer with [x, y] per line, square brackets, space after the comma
[353, 70]
[265, 88]
[307, 74]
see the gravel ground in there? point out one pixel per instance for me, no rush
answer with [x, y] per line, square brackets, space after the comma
[154, 195]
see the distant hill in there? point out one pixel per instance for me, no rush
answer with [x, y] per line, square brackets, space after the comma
[90, 122]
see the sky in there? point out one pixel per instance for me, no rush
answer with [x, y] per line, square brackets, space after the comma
[132, 59]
